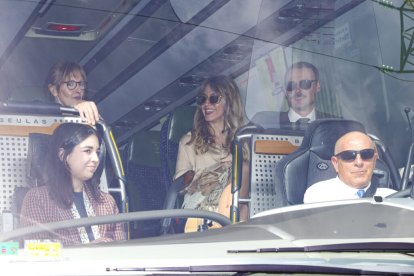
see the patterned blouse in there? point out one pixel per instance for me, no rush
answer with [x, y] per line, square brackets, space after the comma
[38, 207]
[212, 174]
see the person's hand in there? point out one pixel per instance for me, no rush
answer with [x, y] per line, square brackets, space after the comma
[188, 177]
[88, 112]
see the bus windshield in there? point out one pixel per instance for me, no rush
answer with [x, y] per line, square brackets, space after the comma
[364, 63]
[308, 72]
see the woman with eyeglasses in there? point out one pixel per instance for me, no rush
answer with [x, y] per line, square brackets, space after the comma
[66, 83]
[204, 156]
[70, 189]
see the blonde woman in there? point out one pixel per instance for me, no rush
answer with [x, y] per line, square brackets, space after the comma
[204, 155]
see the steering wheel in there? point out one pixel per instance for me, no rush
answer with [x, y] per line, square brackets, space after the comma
[407, 192]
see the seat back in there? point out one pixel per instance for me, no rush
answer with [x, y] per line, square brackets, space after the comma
[311, 162]
[144, 183]
[266, 148]
[36, 152]
[177, 124]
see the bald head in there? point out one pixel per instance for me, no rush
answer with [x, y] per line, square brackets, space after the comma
[355, 172]
[354, 138]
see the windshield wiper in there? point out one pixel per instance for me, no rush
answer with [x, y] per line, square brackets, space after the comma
[398, 247]
[266, 268]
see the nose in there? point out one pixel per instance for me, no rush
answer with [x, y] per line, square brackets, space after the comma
[95, 157]
[297, 89]
[79, 89]
[207, 102]
[358, 160]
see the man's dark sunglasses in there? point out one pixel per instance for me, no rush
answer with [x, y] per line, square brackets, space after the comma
[213, 99]
[303, 84]
[350, 155]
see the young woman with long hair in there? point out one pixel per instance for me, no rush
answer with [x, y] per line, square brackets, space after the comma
[204, 153]
[70, 190]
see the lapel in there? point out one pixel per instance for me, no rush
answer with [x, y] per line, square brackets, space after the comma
[284, 118]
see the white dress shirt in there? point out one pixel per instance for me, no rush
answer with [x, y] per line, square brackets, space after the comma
[293, 116]
[334, 189]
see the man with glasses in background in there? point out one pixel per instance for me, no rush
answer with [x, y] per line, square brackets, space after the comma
[354, 162]
[301, 87]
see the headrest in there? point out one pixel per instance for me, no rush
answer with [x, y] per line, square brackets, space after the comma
[181, 122]
[144, 149]
[266, 119]
[321, 135]
[37, 149]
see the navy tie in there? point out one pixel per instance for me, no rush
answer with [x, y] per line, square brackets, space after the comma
[361, 193]
[301, 123]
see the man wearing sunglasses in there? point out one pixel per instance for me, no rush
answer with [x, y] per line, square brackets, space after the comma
[354, 162]
[301, 87]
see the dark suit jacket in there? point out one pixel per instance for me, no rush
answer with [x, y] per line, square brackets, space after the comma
[275, 119]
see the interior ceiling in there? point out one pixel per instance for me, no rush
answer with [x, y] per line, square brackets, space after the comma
[144, 58]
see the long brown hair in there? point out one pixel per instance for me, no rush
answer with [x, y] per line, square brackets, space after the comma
[203, 134]
[56, 175]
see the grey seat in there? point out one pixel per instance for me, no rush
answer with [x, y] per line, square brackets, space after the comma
[36, 151]
[266, 148]
[177, 124]
[311, 163]
[144, 182]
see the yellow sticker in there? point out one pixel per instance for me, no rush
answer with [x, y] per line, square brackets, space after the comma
[43, 249]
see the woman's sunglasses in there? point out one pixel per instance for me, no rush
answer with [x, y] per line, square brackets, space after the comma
[350, 155]
[303, 84]
[213, 99]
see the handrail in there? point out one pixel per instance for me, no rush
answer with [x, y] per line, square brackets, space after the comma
[122, 217]
[237, 166]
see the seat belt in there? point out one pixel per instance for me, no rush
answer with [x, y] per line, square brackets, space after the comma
[372, 188]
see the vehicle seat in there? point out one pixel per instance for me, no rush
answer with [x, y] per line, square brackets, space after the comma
[177, 124]
[36, 151]
[311, 162]
[266, 148]
[144, 182]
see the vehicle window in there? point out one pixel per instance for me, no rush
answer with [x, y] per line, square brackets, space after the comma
[295, 62]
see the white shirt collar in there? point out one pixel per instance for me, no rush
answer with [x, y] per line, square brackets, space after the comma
[293, 116]
[352, 188]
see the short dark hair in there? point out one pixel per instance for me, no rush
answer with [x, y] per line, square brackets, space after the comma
[303, 64]
[60, 72]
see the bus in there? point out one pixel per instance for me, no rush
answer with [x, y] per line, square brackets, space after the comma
[145, 61]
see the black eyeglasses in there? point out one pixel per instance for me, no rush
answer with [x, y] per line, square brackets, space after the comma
[303, 84]
[213, 99]
[350, 155]
[71, 84]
